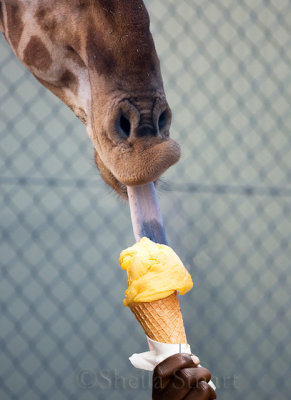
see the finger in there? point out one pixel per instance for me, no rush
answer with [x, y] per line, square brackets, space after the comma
[183, 381]
[189, 378]
[169, 366]
[196, 375]
[158, 385]
[202, 392]
[173, 363]
[177, 387]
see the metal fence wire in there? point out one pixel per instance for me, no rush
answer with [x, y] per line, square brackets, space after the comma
[64, 331]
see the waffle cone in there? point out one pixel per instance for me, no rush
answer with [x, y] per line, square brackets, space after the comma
[161, 320]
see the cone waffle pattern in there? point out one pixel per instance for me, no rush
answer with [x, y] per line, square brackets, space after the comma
[161, 320]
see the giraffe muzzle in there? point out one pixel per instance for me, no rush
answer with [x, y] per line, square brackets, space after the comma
[132, 141]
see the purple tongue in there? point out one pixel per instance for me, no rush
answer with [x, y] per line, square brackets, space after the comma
[145, 213]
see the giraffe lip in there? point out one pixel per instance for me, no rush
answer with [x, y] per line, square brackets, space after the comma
[143, 162]
[138, 163]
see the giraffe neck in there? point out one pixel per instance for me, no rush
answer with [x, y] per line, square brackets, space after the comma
[34, 33]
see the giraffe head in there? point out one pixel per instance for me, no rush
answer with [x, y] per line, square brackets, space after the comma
[99, 57]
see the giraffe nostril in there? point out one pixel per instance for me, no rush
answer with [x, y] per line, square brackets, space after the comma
[164, 122]
[124, 126]
[163, 118]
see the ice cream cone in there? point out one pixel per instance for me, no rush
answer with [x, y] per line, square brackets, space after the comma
[161, 319]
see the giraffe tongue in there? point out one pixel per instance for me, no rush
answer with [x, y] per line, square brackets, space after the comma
[145, 213]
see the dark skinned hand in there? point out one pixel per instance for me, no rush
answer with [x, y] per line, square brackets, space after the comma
[177, 378]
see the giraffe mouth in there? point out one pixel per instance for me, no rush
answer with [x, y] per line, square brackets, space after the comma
[131, 140]
[137, 164]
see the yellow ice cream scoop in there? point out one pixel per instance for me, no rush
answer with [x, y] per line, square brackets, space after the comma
[154, 271]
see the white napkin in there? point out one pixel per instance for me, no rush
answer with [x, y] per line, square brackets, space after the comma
[159, 352]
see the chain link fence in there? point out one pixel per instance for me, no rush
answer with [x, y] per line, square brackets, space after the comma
[63, 329]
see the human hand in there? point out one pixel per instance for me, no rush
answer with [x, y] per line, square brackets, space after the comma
[177, 378]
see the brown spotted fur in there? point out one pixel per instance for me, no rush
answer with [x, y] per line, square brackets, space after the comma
[98, 57]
